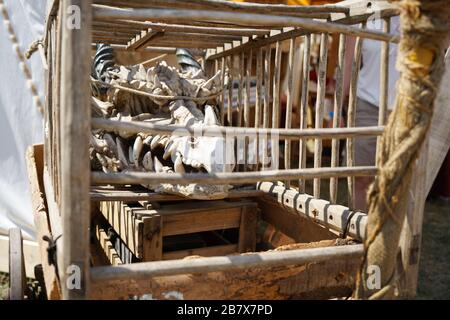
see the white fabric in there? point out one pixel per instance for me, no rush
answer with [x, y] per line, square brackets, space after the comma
[20, 120]
[369, 75]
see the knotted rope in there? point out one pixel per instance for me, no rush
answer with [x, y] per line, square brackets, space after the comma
[22, 64]
[425, 26]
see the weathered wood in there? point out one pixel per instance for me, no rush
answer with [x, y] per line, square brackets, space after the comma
[304, 105]
[247, 229]
[439, 144]
[337, 114]
[141, 271]
[17, 278]
[320, 102]
[351, 116]
[229, 178]
[334, 217]
[299, 228]
[75, 133]
[249, 19]
[35, 165]
[152, 242]
[384, 80]
[217, 131]
[289, 103]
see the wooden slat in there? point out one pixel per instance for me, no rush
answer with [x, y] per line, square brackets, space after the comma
[337, 114]
[152, 242]
[320, 102]
[17, 279]
[289, 103]
[247, 229]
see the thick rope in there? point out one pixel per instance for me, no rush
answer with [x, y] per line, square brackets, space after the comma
[425, 26]
[22, 61]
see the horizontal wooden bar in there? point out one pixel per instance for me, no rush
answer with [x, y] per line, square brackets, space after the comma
[250, 19]
[110, 194]
[221, 178]
[147, 270]
[307, 11]
[334, 217]
[135, 127]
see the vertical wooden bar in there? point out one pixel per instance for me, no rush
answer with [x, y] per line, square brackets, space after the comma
[248, 73]
[230, 91]
[304, 105]
[266, 112]
[337, 113]
[247, 229]
[288, 118]
[276, 105]
[320, 101]
[75, 165]
[351, 117]
[258, 101]
[241, 58]
[222, 97]
[384, 78]
[152, 241]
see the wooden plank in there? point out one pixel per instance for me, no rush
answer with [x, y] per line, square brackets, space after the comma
[221, 250]
[440, 129]
[215, 219]
[142, 39]
[17, 279]
[35, 163]
[152, 242]
[296, 227]
[75, 133]
[247, 229]
[303, 273]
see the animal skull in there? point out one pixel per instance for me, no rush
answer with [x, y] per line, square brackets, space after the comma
[122, 151]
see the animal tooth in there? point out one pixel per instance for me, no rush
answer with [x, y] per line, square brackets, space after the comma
[121, 152]
[148, 140]
[137, 150]
[158, 165]
[170, 148]
[154, 142]
[147, 161]
[178, 164]
[163, 141]
[130, 154]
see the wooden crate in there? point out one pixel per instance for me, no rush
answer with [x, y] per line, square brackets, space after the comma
[144, 227]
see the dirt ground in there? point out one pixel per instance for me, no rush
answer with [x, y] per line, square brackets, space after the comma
[434, 274]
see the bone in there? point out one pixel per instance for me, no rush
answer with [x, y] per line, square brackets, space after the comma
[178, 164]
[148, 140]
[122, 149]
[170, 149]
[210, 116]
[137, 150]
[147, 161]
[158, 165]
[154, 142]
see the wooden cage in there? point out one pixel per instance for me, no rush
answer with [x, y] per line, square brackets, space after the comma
[249, 40]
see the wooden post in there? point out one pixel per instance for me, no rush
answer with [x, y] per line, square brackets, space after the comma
[247, 229]
[152, 241]
[75, 130]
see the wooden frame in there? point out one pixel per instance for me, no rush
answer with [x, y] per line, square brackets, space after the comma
[246, 28]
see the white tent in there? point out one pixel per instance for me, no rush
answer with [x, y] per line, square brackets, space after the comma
[20, 120]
